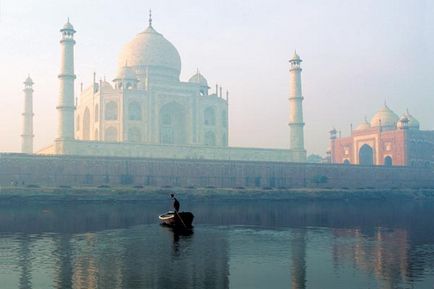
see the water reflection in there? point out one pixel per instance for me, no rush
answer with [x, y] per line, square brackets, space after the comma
[298, 260]
[283, 244]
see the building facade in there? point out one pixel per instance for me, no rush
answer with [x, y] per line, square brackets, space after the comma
[147, 111]
[387, 140]
[148, 104]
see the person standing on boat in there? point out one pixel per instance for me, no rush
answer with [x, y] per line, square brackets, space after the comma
[175, 203]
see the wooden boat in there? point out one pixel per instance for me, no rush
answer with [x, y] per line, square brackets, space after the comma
[177, 220]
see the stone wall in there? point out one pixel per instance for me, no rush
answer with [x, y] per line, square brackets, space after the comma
[115, 149]
[95, 171]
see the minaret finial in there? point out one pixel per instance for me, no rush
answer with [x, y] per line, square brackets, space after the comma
[150, 18]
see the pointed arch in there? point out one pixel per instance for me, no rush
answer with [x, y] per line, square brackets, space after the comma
[388, 161]
[366, 155]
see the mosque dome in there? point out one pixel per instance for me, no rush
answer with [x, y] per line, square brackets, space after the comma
[199, 79]
[364, 125]
[150, 50]
[385, 117]
[412, 121]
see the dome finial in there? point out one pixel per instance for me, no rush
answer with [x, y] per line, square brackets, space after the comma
[150, 18]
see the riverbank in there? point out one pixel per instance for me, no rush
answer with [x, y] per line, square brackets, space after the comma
[123, 193]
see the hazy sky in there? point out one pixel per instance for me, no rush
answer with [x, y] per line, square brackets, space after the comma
[356, 54]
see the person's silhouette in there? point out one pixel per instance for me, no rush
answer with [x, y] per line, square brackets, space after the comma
[175, 203]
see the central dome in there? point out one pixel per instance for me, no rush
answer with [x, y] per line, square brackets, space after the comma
[150, 50]
[385, 118]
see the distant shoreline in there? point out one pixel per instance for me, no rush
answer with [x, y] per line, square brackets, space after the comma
[156, 194]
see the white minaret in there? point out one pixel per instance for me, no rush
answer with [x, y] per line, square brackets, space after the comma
[27, 136]
[65, 107]
[296, 123]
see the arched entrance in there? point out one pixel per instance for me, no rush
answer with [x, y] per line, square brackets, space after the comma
[347, 162]
[366, 155]
[388, 161]
[172, 124]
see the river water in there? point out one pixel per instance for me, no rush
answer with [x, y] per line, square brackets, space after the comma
[234, 244]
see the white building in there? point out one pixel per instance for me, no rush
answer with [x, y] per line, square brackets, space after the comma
[149, 112]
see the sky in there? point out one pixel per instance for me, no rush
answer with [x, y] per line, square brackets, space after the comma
[357, 55]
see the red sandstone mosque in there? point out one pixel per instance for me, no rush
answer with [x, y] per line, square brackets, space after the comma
[387, 140]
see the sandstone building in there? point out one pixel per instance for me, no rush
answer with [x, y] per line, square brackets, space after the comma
[386, 140]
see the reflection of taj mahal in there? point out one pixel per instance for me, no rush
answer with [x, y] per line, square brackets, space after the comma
[148, 112]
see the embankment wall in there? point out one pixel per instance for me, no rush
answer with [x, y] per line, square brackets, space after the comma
[95, 171]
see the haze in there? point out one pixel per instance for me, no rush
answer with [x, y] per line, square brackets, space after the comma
[356, 55]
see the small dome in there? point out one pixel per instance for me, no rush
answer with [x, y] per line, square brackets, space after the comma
[364, 125]
[295, 57]
[150, 50]
[198, 78]
[385, 117]
[412, 121]
[67, 26]
[28, 81]
[126, 72]
[402, 122]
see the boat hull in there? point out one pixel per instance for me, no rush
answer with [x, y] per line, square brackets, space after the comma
[177, 220]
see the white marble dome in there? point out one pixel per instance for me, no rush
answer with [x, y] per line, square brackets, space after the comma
[199, 79]
[149, 49]
[385, 117]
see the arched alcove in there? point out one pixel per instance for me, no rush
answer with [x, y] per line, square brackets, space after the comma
[366, 155]
[173, 124]
[388, 161]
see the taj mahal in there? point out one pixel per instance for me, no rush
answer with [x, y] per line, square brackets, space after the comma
[147, 111]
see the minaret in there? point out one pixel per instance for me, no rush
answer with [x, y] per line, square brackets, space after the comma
[296, 123]
[27, 136]
[65, 108]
